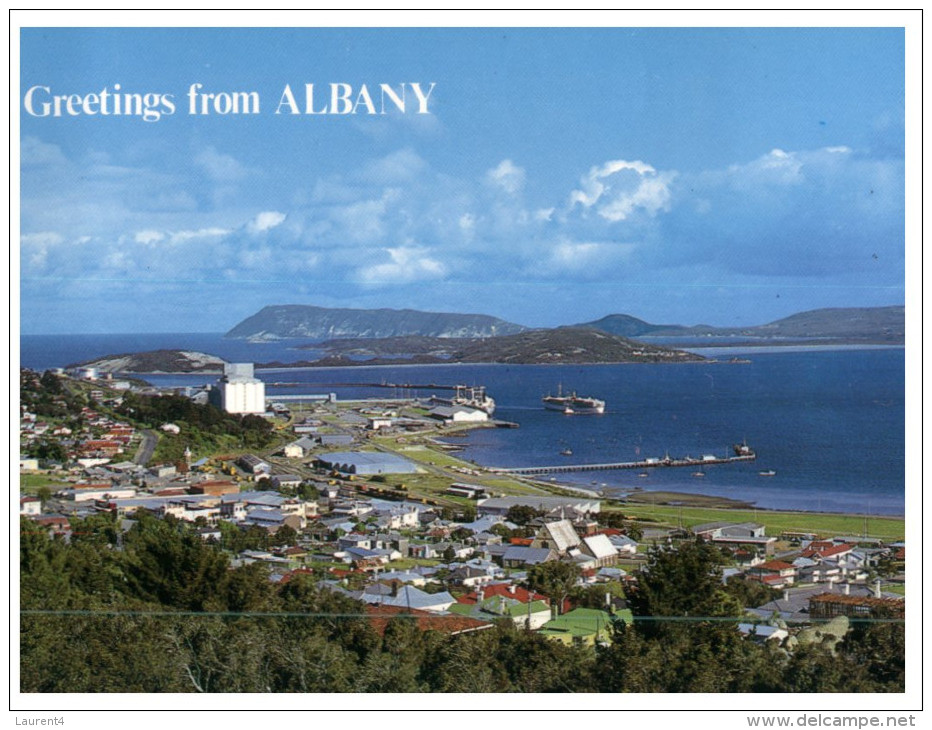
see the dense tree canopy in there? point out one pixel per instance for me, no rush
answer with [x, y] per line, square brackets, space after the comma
[157, 609]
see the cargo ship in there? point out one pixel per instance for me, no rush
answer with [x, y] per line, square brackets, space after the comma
[572, 403]
[471, 396]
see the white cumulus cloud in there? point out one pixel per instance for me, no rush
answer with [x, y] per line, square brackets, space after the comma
[33, 151]
[266, 220]
[219, 166]
[619, 187]
[147, 237]
[507, 176]
[407, 264]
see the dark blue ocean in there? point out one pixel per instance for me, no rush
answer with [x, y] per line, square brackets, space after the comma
[830, 423]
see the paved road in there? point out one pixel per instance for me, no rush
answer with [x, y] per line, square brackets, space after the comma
[146, 447]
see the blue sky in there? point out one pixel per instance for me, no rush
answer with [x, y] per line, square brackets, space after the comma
[721, 176]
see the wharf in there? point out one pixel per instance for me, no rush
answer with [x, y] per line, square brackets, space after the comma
[642, 464]
[395, 386]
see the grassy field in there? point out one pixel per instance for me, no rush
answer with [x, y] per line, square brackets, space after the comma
[30, 483]
[887, 528]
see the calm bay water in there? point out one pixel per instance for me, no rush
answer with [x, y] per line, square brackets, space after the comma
[830, 423]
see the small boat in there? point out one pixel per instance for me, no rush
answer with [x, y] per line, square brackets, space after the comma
[767, 473]
[698, 473]
[566, 452]
[643, 475]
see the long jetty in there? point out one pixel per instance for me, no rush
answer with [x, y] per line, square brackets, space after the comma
[398, 386]
[642, 464]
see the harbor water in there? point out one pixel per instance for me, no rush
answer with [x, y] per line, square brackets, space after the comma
[829, 423]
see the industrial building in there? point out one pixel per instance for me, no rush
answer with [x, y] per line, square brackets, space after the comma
[366, 462]
[238, 390]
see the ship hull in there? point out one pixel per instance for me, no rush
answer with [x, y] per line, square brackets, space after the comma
[574, 405]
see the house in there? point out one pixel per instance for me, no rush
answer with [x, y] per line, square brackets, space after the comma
[816, 571]
[303, 446]
[397, 517]
[469, 576]
[582, 626]
[209, 533]
[824, 550]
[286, 480]
[405, 596]
[274, 519]
[774, 573]
[371, 558]
[509, 590]
[30, 506]
[391, 541]
[600, 549]
[762, 633]
[624, 545]
[518, 556]
[829, 605]
[730, 533]
[404, 576]
[558, 535]
[56, 524]
[355, 540]
[532, 614]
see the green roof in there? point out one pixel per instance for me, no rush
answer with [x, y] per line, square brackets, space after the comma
[583, 622]
[497, 606]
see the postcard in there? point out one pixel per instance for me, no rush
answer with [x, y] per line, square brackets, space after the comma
[466, 358]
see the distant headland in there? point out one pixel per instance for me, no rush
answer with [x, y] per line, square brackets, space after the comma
[354, 337]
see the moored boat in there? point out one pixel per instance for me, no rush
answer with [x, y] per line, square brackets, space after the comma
[573, 404]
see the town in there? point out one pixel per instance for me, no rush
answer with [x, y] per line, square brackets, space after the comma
[365, 503]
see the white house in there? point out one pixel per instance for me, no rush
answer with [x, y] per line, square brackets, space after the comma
[30, 506]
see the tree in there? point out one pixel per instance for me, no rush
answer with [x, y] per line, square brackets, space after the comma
[594, 596]
[284, 536]
[44, 493]
[750, 593]
[172, 566]
[681, 582]
[51, 383]
[521, 514]
[554, 579]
